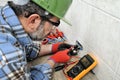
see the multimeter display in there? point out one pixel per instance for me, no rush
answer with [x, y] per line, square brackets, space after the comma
[86, 61]
[83, 64]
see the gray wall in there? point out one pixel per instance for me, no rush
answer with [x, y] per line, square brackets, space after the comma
[2, 2]
[96, 24]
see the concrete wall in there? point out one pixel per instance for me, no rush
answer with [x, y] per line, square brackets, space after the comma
[96, 24]
[3, 2]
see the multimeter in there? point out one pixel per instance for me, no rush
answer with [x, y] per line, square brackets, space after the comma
[81, 68]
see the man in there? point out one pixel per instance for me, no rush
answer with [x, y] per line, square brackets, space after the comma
[18, 23]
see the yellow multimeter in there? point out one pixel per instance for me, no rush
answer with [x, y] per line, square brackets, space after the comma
[82, 67]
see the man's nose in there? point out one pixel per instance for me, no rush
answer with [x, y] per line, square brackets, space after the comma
[53, 29]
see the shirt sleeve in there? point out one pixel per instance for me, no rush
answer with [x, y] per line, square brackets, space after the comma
[32, 51]
[41, 72]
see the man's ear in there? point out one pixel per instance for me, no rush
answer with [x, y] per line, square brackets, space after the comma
[33, 21]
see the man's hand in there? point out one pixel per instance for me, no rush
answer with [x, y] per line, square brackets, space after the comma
[61, 56]
[60, 46]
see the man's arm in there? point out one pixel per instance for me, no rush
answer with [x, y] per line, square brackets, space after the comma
[44, 71]
[45, 49]
[53, 48]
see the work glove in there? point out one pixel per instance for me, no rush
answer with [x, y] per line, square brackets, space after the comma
[60, 46]
[61, 56]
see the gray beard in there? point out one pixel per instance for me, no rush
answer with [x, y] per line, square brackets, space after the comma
[39, 34]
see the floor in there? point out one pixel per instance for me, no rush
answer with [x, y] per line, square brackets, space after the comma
[59, 74]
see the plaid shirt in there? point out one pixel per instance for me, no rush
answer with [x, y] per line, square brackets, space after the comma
[15, 46]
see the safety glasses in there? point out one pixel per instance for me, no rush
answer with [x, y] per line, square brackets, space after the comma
[54, 23]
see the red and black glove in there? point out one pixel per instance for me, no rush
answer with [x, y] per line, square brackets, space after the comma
[60, 46]
[61, 56]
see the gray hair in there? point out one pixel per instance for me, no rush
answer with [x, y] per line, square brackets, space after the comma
[28, 9]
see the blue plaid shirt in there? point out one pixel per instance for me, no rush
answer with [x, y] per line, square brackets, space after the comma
[15, 46]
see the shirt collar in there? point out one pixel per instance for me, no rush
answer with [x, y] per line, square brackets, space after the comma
[17, 29]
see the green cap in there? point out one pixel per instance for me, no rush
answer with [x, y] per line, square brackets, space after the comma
[56, 7]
